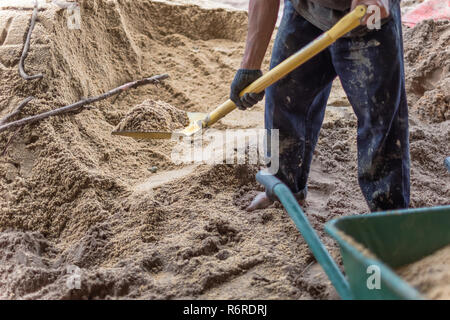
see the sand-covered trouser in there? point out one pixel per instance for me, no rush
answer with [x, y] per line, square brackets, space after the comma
[372, 74]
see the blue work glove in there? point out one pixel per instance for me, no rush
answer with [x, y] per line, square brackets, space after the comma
[242, 79]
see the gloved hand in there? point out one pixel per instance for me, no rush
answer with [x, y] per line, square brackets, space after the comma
[242, 79]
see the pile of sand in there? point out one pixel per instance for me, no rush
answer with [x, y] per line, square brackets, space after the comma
[71, 194]
[153, 116]
[428, 63]
[430, 275]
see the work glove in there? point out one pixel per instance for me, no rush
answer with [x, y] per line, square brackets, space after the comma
[242, 79]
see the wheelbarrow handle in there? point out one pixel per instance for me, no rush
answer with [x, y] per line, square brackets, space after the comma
[269, 181]
[289, 202]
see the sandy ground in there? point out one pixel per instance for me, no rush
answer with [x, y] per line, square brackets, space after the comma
[72, 194]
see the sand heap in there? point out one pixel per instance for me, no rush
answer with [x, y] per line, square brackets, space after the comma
[70, 192]
[428, 64]
[430, 275]
[154, 116]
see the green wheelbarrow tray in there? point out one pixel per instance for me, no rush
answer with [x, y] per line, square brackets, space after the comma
[396, 238]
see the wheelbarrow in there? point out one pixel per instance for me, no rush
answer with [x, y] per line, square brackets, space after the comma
[396, 238]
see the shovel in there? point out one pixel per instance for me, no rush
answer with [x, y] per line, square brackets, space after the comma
[199, 121]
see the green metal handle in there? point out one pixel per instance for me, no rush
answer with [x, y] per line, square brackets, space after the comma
[287, 199]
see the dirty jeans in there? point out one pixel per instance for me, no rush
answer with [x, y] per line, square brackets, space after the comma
[371, 71]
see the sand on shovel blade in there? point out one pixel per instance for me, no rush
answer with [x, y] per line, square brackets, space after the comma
[151, 116]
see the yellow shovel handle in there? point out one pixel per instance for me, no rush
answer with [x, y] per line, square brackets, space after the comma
[345, 25]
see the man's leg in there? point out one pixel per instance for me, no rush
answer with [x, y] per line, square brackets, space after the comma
[372, 74]
[295, 105]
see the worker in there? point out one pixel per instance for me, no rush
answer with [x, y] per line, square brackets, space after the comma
[369, 63]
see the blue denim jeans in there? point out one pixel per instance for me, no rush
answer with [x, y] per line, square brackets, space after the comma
[371, 70]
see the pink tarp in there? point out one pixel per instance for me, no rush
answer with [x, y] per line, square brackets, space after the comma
[431, 9]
